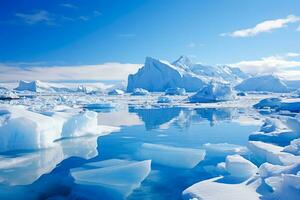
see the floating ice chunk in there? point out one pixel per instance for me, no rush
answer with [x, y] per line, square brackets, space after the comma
[267, 169]
[274, 130]
[273, 103]
[214, 92]
[293, 148]
[82, 124]
[178, 157]
[286, 186]
[175, 91]
[265, 83]
[223, 149]
[115, 177]
[139, 92]
[116, 92]
[238, 166]
[272, 153]
[216, 188]
[163, 99]
[23, 129]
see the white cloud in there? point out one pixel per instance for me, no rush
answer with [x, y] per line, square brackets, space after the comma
[298, 29]
[83, 18]
[107, 71]
[97, 13]
[265, 26]
[191, 45]
[41, 16]
[280, 65]
[68, 5]
[292, 54]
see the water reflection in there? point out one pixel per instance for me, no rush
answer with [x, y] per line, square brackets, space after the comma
[162, 118]
[24, 167]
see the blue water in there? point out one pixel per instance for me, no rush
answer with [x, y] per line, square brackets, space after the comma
[175, 127]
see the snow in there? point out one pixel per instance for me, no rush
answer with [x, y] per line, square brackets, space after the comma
[216, 188]
[238, 166]
[265, 83]
[214, 92]
[139, 92]
[178, 157]
[118, 177]
[293, 148]
[116, 92]
[175, 91]
[286, 186]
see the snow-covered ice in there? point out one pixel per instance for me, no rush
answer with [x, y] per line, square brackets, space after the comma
[238, 166]
[265, 83]
[214, 92]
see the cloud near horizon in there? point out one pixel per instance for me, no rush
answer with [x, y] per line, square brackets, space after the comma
[265, 26]
[107, 71]
[280, 65]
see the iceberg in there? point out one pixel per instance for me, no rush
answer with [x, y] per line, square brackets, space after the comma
[214, 92]
[158, 76]
[114, 178]
[175, 91]
[178, 157]
[116, 92]
[139, 92]
[238, 166]
[23, 129]
[265, 83]
[274, 130]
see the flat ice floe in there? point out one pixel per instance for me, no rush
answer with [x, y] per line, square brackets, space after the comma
[178, 157]
[216, 188]
[272, 153]
[118, 178]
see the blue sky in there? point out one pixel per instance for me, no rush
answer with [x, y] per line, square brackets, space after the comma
[79, 32]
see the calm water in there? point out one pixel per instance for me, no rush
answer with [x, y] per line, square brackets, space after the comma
[173, 138]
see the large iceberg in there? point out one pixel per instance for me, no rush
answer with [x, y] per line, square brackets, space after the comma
[158, 76]
[214, 92]
[265, 83]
